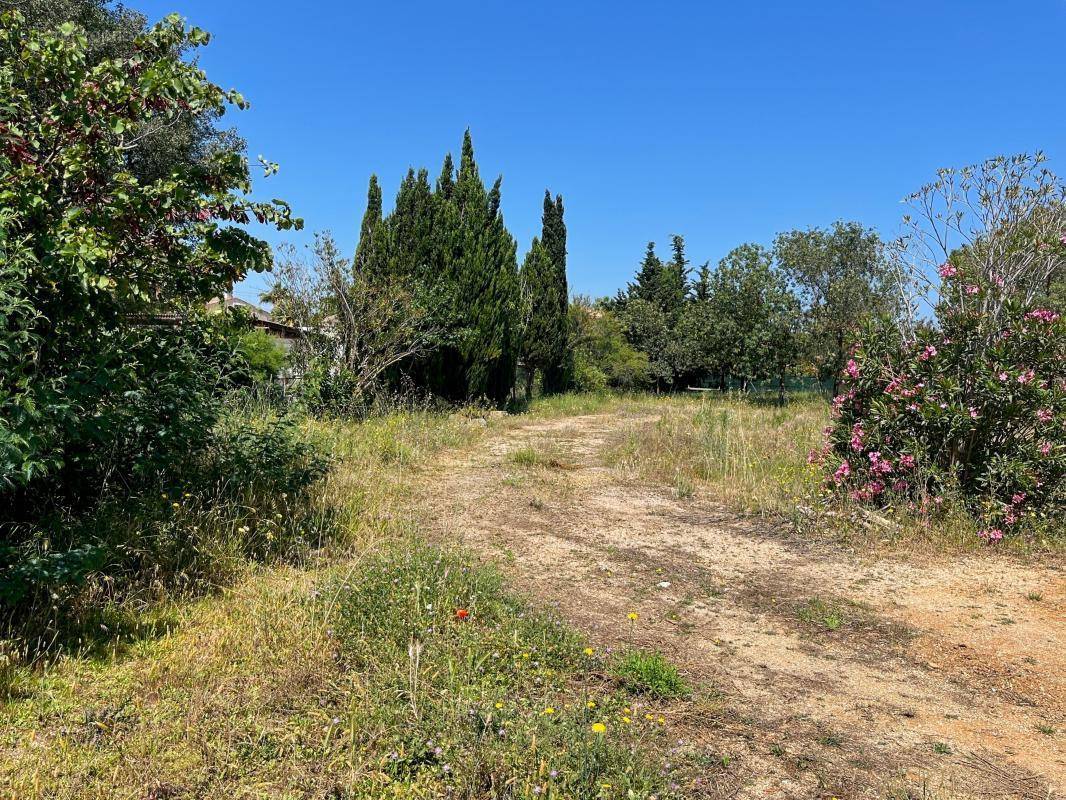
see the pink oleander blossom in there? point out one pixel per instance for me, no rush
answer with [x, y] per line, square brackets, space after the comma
[852, 368]
[928, 353]
[1043, 314]
[1045, 448]
[971, 289]
[858, 436]
[842, 472]
[1045, 415]
[948, 270]
[1026, 377]
[906, 461]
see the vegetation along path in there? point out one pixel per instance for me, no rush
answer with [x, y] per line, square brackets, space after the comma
[825, 673]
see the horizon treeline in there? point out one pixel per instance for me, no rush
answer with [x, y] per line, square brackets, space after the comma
[759, 314]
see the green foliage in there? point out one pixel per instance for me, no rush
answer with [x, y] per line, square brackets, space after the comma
[976, 406]
[107, 395]
[245, 495]
[647, 672]
[263, 355]
[602, 357]
[546, 346]
[451, 254]
[845, 279]
[468, 688]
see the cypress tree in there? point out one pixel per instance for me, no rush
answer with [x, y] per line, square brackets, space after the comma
[556, 297]
[371, 218]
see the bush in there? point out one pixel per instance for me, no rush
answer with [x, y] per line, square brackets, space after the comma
[976, 407]
[244, 496]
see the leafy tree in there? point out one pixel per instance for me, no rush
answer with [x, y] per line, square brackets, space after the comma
[603, 359]
[844, 278]
[98, 251]
[262, 355]
[756, 316]
[190, 136]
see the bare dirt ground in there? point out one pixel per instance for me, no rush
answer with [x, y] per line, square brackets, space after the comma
[824, 674]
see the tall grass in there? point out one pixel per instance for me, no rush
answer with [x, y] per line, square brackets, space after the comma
[748, 455]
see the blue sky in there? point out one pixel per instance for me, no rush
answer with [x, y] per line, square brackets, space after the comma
[725, 122]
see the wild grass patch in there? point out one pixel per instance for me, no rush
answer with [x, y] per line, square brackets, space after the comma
[466, 691]
[650, 673]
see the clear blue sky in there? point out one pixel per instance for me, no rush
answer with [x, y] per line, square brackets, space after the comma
[725, 122]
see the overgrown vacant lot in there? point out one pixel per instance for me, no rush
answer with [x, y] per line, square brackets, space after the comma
[816, 656]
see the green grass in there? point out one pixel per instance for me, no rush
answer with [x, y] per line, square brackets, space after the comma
[468, 691]
[342, 671]
[822, 614]
[649, 673]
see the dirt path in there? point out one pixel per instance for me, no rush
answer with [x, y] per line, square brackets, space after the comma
[831, 677]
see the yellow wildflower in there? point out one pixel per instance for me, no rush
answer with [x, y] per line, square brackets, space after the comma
[548, 710]
[599, 727]
[591, 704]
[589, 651]
[626, 720]
[633, 616]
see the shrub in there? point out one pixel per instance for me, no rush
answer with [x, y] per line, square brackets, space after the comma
[974, 407]
[244, 496]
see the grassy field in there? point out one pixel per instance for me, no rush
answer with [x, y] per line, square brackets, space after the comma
[374, 664]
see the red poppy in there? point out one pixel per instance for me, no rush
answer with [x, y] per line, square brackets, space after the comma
[461, 614]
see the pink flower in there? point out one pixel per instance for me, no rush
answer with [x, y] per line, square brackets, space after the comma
[874, 488]
[1045, 415]
[972, 290]
[1002, 376]
[1017, 497]
[842, 472]
[1043, 314]
[1026, 376]
[899, 486]
[973, 413]
[928, 353]
[948, 270]
[852, 368]
[857, 437]
[1045, 448]
[906, 461]
[991, 535]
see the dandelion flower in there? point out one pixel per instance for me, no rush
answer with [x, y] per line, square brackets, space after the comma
[626, 720]
[589, 651]
[633, 616]
[599, 727]
[548, 711]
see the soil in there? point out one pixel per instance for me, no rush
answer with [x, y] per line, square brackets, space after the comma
[824, 673]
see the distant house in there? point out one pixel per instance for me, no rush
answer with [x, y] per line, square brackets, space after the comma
[261, 319]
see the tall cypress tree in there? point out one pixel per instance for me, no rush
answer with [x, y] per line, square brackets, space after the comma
[371, 218]
[557, 369]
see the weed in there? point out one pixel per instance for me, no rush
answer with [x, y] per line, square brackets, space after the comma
[1047, 730]
[940, 748]
[823, 614]
[646, 672]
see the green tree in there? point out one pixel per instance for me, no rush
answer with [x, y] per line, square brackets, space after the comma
[546, 344]
[364, 250]
[100, 251]
[603, 359]
[755, 317]
[844, 279]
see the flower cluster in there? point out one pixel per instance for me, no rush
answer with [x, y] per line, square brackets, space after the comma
[974, 407]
